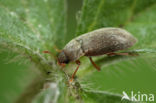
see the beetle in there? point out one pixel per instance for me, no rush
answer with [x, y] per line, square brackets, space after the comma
[95, 43]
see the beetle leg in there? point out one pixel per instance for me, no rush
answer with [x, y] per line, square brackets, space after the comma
[112, 54]
[98, 68]
[125, 54]
[78, 63]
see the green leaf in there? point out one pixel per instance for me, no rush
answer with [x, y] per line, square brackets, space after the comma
[137, 17]
[103, 97]
[45, 18]
[107, 13]
[30, 27]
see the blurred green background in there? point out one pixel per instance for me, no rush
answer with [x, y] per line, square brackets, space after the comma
[14, 77]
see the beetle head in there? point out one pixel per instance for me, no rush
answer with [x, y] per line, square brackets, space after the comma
[62, 58]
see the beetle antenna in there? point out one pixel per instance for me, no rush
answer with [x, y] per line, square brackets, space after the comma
[56, 49]
[48, 52]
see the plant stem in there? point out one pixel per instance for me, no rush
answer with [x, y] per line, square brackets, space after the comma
[32, 90]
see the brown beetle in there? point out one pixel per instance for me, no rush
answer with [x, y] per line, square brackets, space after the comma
[98, 42]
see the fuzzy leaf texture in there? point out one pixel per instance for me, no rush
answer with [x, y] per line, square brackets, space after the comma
[29, 27]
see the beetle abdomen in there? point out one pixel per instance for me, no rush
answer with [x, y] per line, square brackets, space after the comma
[105, 40]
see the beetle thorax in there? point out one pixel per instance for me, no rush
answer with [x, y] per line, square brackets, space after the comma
[73, 50]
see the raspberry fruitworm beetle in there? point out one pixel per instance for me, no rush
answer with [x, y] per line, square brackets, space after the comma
[98, 42]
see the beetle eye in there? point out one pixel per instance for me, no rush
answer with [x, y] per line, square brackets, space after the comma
[66, 61]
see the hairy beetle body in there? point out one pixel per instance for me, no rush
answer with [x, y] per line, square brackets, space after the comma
[98, 42]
